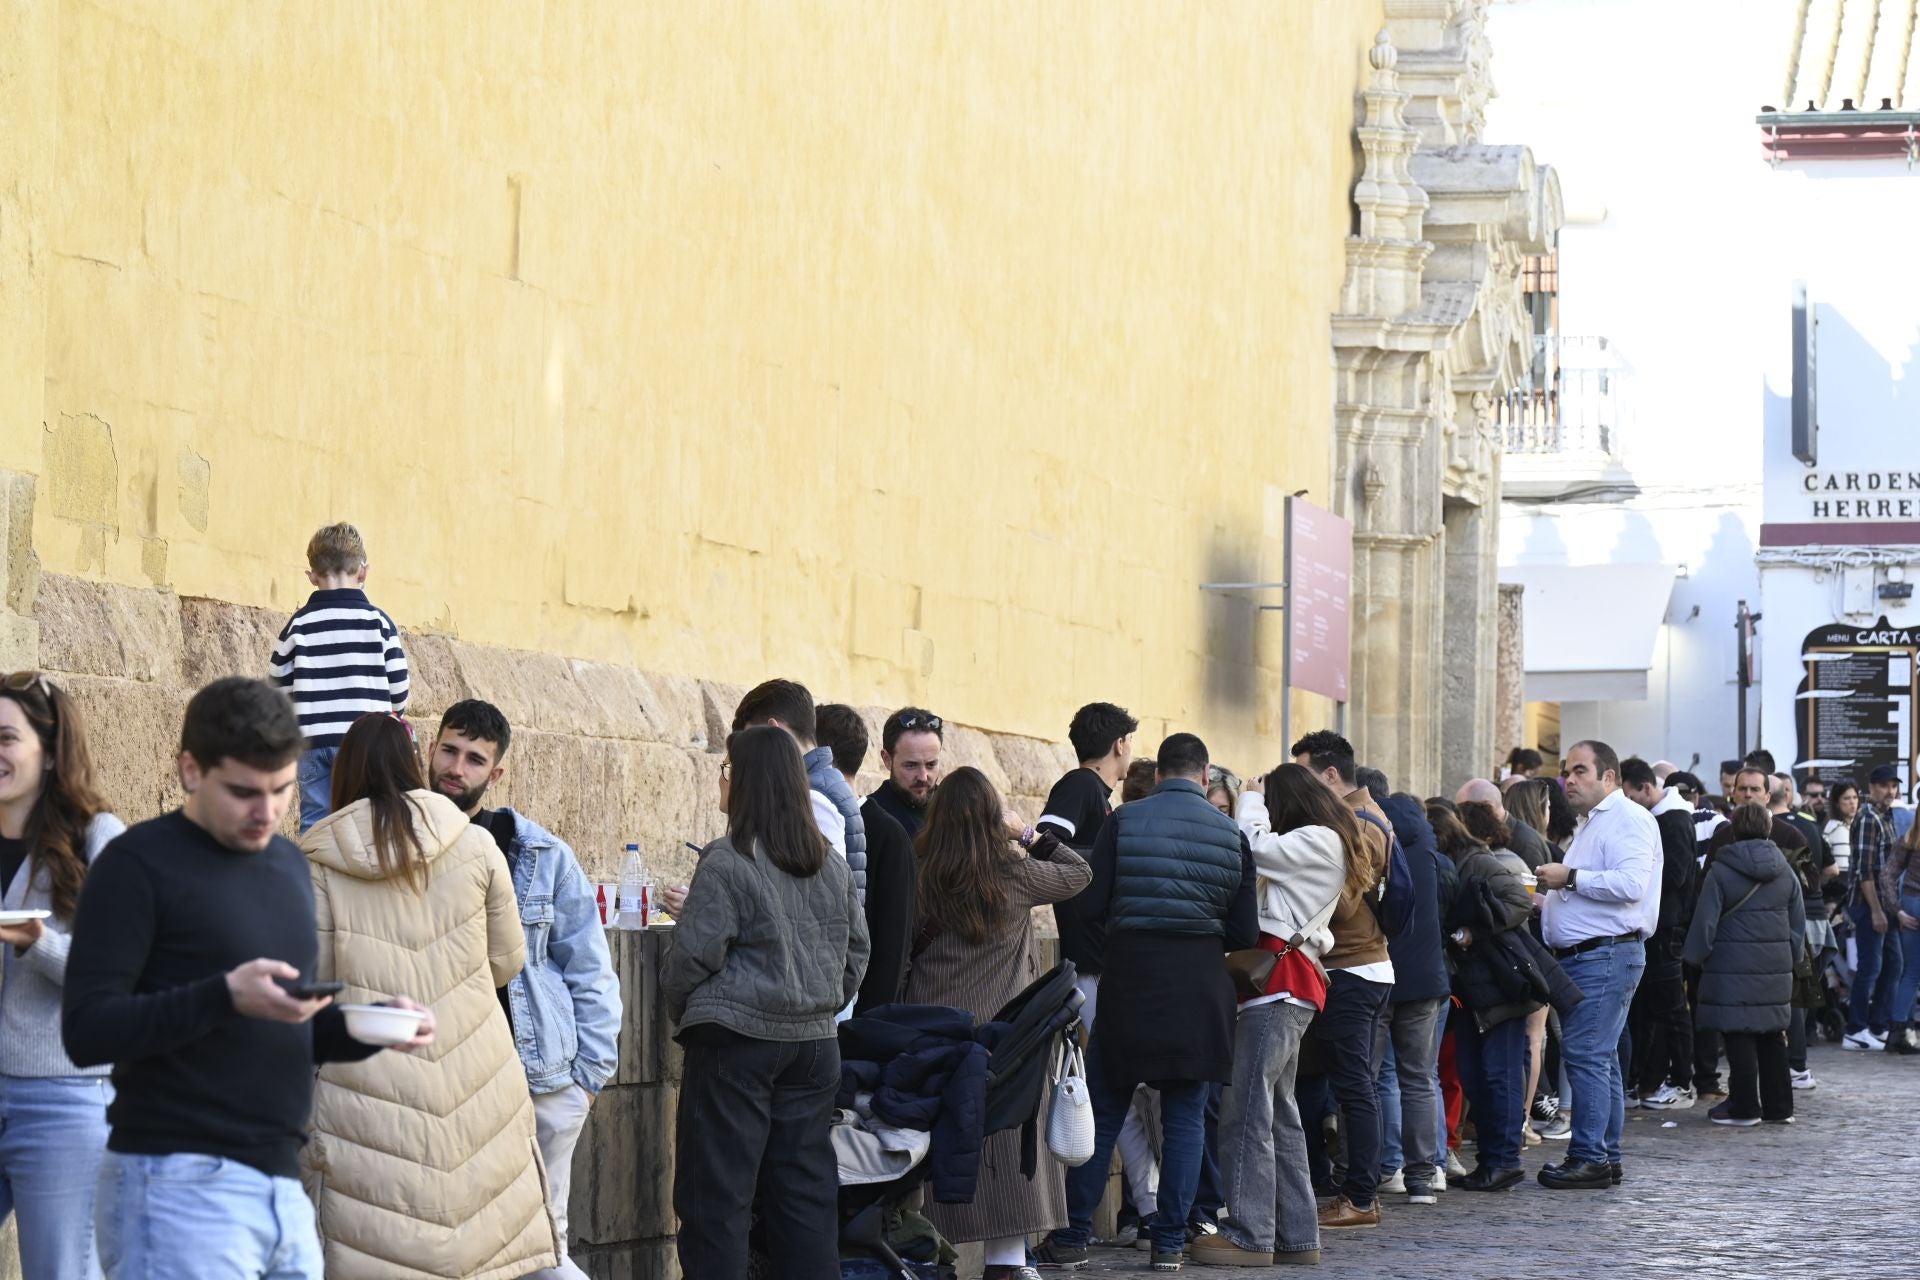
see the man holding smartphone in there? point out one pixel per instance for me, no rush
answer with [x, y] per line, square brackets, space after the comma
[189, 930]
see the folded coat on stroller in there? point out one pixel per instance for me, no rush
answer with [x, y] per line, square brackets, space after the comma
[928, 1067]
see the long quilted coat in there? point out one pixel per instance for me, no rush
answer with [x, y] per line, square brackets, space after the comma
[424, 1166]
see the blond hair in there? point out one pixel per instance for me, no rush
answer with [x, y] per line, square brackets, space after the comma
[337, 549]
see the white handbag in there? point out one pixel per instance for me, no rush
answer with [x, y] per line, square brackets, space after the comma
[1070, 1117]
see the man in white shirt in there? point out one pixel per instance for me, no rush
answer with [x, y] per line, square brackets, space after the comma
[1602, 903]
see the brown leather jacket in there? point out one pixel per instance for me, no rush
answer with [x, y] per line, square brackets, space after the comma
[1357, 936]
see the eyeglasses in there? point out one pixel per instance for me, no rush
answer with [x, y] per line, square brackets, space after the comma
[914, 720]
[726, 770]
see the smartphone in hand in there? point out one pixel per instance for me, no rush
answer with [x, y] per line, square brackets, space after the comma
[303, 990]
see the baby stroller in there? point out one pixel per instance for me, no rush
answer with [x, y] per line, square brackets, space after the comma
[1020, 1039]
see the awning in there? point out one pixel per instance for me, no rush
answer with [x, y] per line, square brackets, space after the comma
[1591, 630]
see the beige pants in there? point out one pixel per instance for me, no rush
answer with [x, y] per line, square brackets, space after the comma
[558, 1119]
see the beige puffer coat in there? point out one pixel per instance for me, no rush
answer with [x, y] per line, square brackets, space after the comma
[425, 1165]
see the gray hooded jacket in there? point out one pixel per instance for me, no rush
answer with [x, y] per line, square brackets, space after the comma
[1745, 949]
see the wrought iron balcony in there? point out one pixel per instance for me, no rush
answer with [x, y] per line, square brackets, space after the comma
[1569, 402]
[1561, 426]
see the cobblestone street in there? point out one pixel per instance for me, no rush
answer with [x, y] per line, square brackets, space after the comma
[1700, 1198]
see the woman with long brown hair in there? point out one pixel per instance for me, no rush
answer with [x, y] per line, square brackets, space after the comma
[978, 887]
[770, 942]
[53, 1115]
[423, 1164]
[1304, 842]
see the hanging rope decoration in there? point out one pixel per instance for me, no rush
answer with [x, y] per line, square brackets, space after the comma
[1793, 54]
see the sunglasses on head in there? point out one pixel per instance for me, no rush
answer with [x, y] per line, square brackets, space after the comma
[21, 681]
[918, 721]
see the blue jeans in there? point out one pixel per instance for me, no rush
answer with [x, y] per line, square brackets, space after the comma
[1183, 1132]
[53, 1132]
[1352, 1029]
[1909, 984]
[197, 1217]
[1590, 1036]
[1208, 1197]
[316, 784]
[1493, 1070]
[1876, 971]
[1414, 1029]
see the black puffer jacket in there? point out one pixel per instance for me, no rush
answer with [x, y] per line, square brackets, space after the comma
[1744, 943]
[1678, 849]
[1491, 902]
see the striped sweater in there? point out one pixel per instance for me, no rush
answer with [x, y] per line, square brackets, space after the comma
[340, 658]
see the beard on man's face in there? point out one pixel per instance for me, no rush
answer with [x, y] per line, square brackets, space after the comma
[465, 799]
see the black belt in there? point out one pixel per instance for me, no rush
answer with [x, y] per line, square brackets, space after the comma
[1561, 953]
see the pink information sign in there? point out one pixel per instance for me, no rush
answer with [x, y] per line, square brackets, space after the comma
[1320, 581]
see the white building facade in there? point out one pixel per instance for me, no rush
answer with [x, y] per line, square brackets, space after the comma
[1664, 489]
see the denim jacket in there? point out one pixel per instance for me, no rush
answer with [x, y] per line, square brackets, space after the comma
[566, 1001]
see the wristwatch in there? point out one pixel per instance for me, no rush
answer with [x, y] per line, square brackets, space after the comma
[1573, 874]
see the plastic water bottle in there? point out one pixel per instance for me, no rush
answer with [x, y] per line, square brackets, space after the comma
[636, 892]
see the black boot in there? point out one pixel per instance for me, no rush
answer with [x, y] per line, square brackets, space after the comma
[1900, 1040]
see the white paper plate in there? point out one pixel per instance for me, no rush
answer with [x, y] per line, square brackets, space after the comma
[21, 917]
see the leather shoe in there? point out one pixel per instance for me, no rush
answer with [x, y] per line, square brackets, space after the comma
[1488, 1178]
[1619, 1175]
[1341, 1213]
[1576, 1175]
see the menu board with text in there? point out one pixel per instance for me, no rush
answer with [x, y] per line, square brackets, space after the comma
[1856, 702]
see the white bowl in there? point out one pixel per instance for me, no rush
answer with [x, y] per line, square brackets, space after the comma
[382, 1024]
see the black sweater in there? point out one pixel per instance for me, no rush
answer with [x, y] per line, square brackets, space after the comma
[166, 913]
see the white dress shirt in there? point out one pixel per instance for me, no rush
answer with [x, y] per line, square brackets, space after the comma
[1616, 851]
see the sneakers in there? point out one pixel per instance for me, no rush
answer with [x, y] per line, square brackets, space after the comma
[1781, 1120]
[1143, 1238]
[1805, 1080]
[1422, 1193]
[1560, 1130]
[1341, 1214]
[1529, 1136]
[1218, 1251]
[1723, 1114]
[1396, 1185]
[1439, 1180]
[1544, 1108]
[1633, 1099]
[1454, 1168]
[1200, 1231]
[1001, 1271]
[1666, 1098]
[1900, 1041]
[1167, 1261]
[1863, 1041]
[1054, 1256]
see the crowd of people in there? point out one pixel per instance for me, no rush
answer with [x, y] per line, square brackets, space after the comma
[372, 1052]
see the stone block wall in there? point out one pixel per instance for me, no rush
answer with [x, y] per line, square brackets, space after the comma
[602, 754]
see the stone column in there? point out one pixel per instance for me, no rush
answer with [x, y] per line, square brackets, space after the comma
[1510, 682]
[1469, 645]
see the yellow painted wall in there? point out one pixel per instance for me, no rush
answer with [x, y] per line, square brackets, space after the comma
[921, 351]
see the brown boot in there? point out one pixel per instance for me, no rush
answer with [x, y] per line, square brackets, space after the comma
[1341, 1213]
[1218, 1251]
